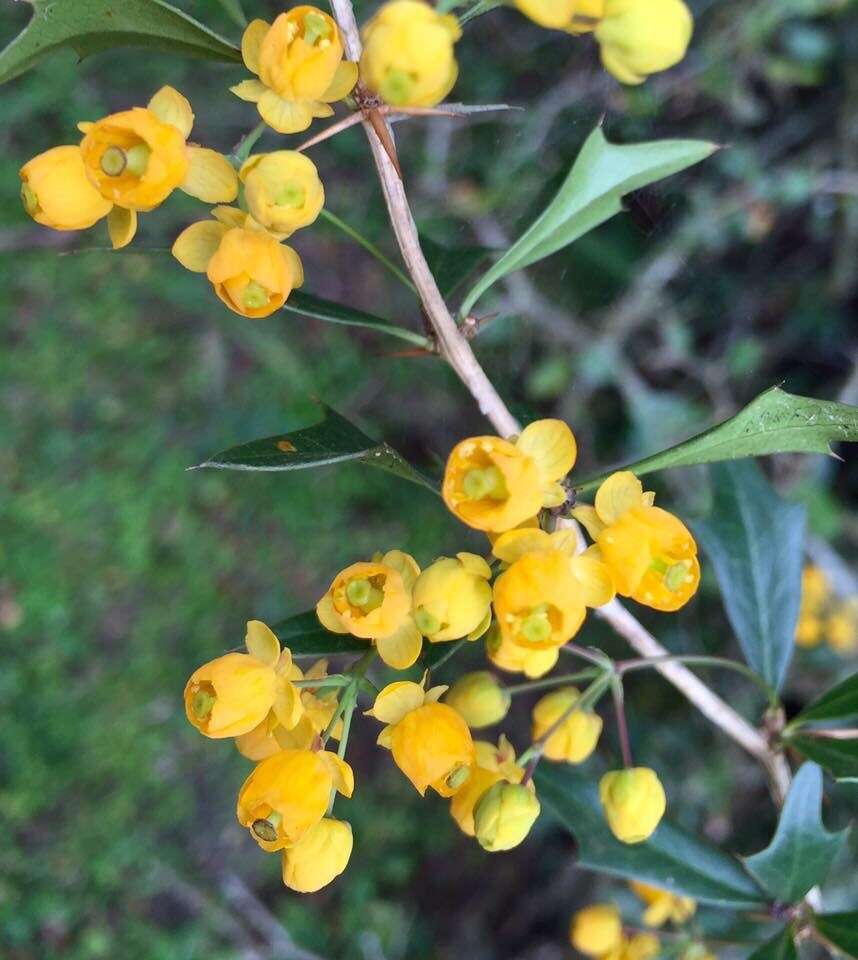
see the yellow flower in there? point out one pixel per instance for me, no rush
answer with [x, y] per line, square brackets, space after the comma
[597, 930]
[633, 801]
[56, 191]
[504, 815]
[230, 696]
[452, 598]
[576, 738]
[299, 62]
[554, 14]
[138, 157]
[815, 594]
[430, 742]
[287, 795]
[645, 946]
[491, 765]
[408, 57]
[250, 270]
[509, 656]
[373, 601]
[479, 699]
[494, 485]
[640, 37]
[841, 627]
[663, 906]
[808, 631]
[651, 554]
[319, 857]
[283, 191]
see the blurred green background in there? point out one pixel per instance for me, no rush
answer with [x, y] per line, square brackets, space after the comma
[120, 572]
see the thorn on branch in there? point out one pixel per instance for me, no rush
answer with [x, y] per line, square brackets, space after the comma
[471, 325]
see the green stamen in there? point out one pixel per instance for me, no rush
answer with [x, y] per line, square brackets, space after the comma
[396, 87]
[315, 28]
[29, 199]
[138, 159]
[113, 161]
[427, 623]
[536, 628]
[255, 296]
[658, 565]
[267, 829]
[457, 776]
[485, 484]
[675, 576]
[203, 703]
[291, 195]
[358, 592]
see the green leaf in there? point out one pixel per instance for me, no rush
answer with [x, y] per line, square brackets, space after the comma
[841, 929]
[312, 306]
[90, 26]
[780, 947]
[802, 850]
[839, 757]
[672, 858]
[754, 540]
[591, 194]
[306, 637]
[334, 440]
[838, 703]
[451, 266]
[774, 422]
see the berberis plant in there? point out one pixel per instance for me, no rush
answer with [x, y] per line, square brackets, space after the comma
[558, 546]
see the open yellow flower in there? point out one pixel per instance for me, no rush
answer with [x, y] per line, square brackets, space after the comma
[596, 931]
[372, 600]
[509, 656]
[651, 554]
[299, 63]
[576, 737]
[640, 37]
[430, 742]
[494, 485]
[232, 695]
[491, 765]
[633, 801]
[283, 191]
[319, 857]
[137, 158]
[479, 699]
[408, 57]
[452, 598]
[662, 906]
[504, 815]
[287, 795]
[56, 191]
[250, 270]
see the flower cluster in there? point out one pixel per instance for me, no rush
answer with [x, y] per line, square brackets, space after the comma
[825, 618]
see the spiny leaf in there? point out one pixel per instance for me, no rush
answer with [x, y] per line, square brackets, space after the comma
[839, 757]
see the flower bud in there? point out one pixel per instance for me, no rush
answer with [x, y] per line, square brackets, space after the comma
[576, 737]
[640, 37]
[554, 14]
[452, 598]
[432, 746]
[56, 191]
[319, 857]
[633, 801]
[492, 764]
[479, 698]
[504, 815]
[300, 53]
[283, 190]
[597, 930]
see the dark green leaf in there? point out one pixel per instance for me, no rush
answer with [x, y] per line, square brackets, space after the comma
[839, 757]
[780, 947]
[802, 850]
[775, 422]
[90, 26]
[591, 194]
[309, 305]
[754, 540]
[451, 266]
[306, 637]
[838, 703]
[672, 858]
[841, 929]
[334, 440]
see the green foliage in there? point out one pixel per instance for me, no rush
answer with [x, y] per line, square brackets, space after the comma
[754, 540]
[780, 947]
[802, 850]
[774, 422]
[91, 26]
[306, 637]
[603, 173]
[838, 703]
[452, 265]
[672, 858]
[839, 757]
[841, 929]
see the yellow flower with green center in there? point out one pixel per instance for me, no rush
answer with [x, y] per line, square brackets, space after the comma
[597, 930]
[298, 60]
[641, 37]
[509, 656]
[372, 600]
[287, 795]
[57, 193]
[319, 857]
[662, 906]
[408, 57]
[492, 763]
[452, 598]
[633, 801]
[431, 744]
[232, 695]
[651, 554]
[576, 737]
[283, 191]
[504, 815]
[479, 699]
[494, 485]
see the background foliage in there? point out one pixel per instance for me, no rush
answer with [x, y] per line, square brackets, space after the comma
[120, 572]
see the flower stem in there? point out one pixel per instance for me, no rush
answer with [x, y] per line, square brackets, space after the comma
[241, 151]
[622, 724]
[454, 649]
[551, 682]
[369, 246]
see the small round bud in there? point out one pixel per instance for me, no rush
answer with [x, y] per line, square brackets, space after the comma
[504, 815]
[633, 801]
[597, 930]
[479, 698]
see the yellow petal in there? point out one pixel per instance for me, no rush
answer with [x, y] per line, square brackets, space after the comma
[170, 106]
[287, 706]
[262, 643]
[597, 584]
[619, 493]
[341, 773]
[481, 627]
[384, 739]
[210, 177]
[554, 495]
[344, 80]
[251, 42]
[196, 245]
[434, 694]
[284, 116]
[474, 564]
[589, 519]
[122, 226]
[396, 700]
[404, 564]
[251, 91]
[565, 540]
[328, 616]
[513, 544]
[402, 647]
[297, 267]
[648, 498]
[319, 109]
[230, 216]
[85, 126]
[552, 445]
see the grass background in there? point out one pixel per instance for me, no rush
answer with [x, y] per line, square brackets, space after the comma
[120, 571]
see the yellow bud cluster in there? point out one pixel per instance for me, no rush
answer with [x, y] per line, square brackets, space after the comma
[825, 618]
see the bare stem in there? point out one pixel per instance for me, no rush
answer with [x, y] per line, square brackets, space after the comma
[622, 725]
